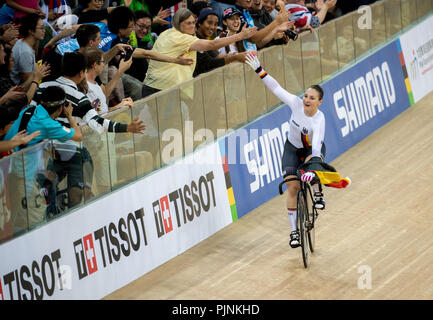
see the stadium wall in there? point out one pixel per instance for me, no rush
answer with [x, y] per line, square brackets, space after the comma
[105, 245]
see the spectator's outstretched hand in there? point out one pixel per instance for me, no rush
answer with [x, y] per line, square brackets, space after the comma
[329, 4]
[124, 65]
[127, 102]
[252, 60]
[23, 138]
[285, 26]
[160, 18]
[283, 15]
[136, 126]
[123, 47]
[41, 71]
[279, 4]
[14, 93]
[11, 33]
[248, 32]
[307, 27]
[184, 61]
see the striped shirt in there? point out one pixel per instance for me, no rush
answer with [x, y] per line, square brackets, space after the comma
[82, 108]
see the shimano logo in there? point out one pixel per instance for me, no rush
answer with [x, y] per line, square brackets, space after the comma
[263, 155]
[362, 99]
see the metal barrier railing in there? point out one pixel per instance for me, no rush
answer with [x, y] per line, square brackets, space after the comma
[196, 112]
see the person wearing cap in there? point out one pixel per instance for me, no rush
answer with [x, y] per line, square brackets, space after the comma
[181, 40]
[53, 103]
[231, 25]
[26, 172]
[207, 24]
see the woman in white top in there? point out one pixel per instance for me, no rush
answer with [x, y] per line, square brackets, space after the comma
[231, 26]
[98, 94]
[305, 140]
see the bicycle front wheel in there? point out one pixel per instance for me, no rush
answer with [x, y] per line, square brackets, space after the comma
[302, 213]
[310, 221]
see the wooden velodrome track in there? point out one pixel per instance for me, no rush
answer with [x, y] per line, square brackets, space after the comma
[381, 226]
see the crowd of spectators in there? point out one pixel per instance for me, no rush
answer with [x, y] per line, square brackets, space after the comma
[102, 55]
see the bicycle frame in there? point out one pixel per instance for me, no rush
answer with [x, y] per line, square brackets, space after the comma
[306, 214]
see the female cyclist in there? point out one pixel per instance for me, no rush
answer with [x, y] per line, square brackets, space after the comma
[305, 140]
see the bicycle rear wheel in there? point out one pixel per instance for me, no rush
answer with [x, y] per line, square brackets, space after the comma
[302, 215]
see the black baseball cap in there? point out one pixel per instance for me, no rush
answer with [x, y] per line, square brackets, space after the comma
[230, 12]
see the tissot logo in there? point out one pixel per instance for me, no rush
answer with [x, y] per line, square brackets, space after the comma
[85, 256]
[34, 281]
[114, 241]
[186, 203]
[166, 216]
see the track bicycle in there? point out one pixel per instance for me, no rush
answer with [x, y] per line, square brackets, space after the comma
[306, 214]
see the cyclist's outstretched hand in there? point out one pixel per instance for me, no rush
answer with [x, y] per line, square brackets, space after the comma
[252, 60]
[308, 176]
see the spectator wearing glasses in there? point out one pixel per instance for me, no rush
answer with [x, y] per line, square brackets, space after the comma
[98, 94]
[121, 22]
[141, 37]
[33, 30]
[181, 40]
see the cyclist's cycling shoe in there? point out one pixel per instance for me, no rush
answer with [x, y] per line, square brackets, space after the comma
[294, 239]
[319, 203]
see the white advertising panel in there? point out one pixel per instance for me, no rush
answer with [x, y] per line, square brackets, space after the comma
[417, 48]
[98, 249]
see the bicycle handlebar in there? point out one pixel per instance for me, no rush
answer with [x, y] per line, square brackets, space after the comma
[280, 186]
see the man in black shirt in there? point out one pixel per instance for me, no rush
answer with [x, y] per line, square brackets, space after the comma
[207, 24]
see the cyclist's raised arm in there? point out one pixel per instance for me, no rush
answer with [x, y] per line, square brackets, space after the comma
[318, 136]
[290, 99]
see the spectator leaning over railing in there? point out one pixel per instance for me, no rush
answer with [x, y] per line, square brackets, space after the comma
[231, 25]
[180, 40]
[258, 40]
[262, 19]
[98, 94]
[42, 118]
[207, 24]
[79, 179]
[86, 36]
[302, 16]
[74, 67]
[37, 118]
[273, 7]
